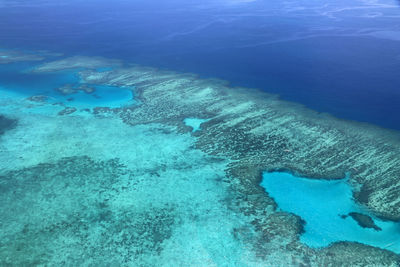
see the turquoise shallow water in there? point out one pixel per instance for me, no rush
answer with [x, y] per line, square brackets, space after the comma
[104, 96]
[195, 123]
[320, 203]
[17, 78]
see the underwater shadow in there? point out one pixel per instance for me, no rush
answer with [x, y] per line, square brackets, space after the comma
[6, 124]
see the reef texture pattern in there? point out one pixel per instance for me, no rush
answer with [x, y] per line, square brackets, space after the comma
[262, 132]
[136, 186]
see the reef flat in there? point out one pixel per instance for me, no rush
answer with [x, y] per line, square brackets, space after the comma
[78, 62]
[7, 56]
[140, 187]
[262, 132]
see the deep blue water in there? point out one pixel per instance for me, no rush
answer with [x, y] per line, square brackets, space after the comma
[321, 203]
[341, 57]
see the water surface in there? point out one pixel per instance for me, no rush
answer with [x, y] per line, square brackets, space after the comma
[340, 57]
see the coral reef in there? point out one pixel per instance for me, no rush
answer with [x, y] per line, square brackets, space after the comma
[69, 89]
[267, 133]
[364, 220]
[6, 124]
[54, 212]
[38, 98]
[77, 62]
[151, 190]
[11, 56]
[67, 111]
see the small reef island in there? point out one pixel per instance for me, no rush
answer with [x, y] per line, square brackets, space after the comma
[173, 177]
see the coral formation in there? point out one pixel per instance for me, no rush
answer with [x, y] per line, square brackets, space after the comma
[266, 133]
[91, 230]
[67, 111]
[6, 124]
[364, 220]
[11, 56]
[78, 62]
[148, 189]
[69, 89]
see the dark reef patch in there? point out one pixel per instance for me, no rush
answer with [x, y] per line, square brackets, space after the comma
[6, 124]
[67, 111]
[364, 221]
[38, 98]
[69, 89]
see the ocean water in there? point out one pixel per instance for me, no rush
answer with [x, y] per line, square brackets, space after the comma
[338, 57]
[143, 133]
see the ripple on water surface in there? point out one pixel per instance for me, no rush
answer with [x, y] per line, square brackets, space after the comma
[329, 212]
